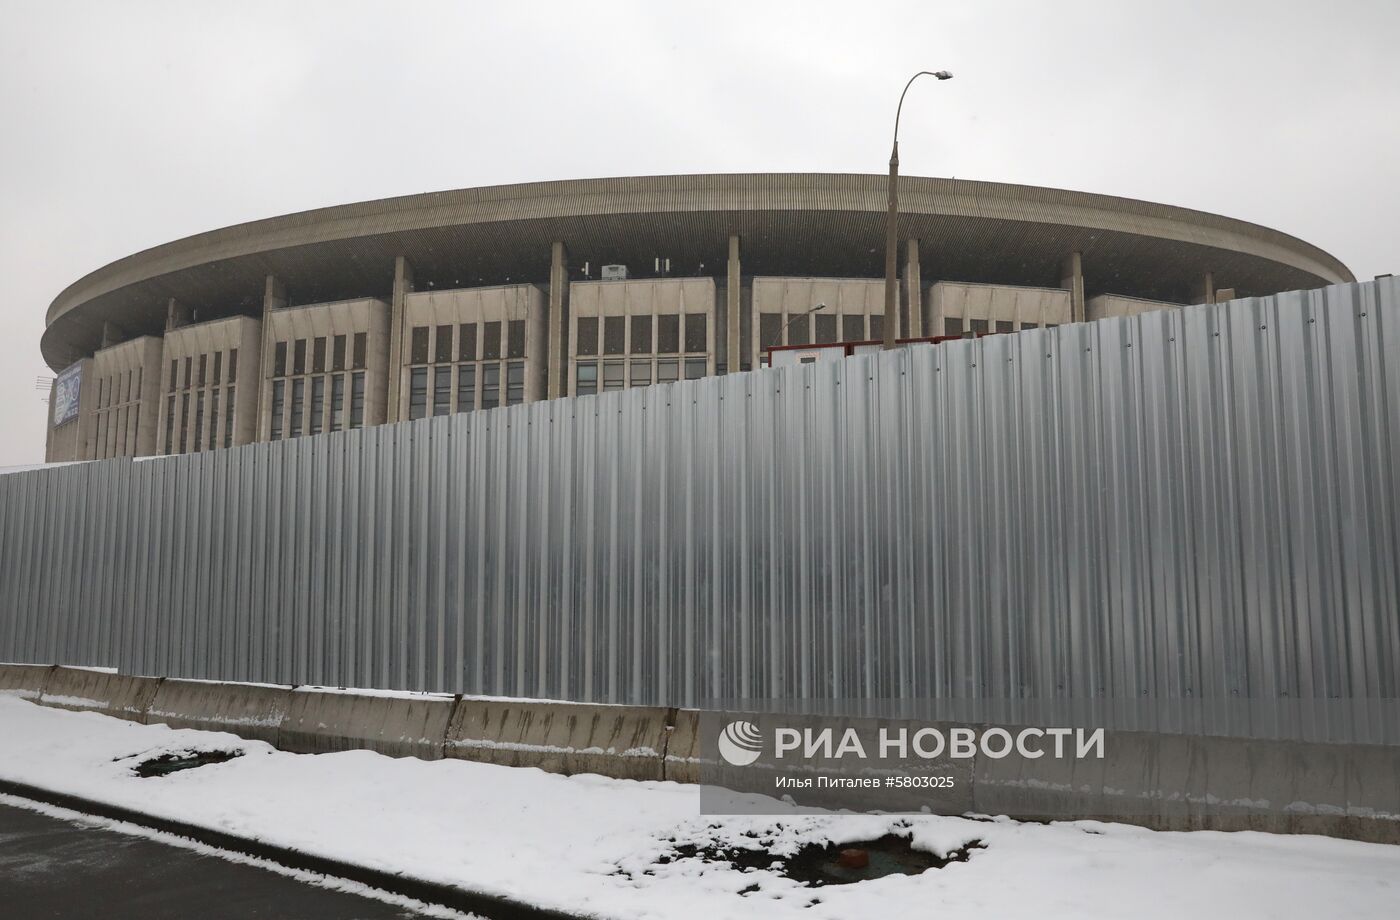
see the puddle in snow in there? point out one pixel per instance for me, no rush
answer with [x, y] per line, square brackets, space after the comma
[174, 761]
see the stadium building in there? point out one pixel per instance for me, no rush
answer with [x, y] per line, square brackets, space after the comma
[448, 302]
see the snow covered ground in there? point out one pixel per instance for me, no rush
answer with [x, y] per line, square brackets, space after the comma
[590, 845]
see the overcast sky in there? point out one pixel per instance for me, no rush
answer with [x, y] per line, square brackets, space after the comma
[125, 125]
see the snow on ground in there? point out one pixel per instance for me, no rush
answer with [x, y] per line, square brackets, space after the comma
[587, 843]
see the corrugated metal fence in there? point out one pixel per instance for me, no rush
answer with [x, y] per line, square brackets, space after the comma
[1194, 503]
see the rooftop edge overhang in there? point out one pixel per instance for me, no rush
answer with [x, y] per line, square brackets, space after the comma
[782, 196]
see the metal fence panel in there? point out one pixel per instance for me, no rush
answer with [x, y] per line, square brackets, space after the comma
[1193, 504]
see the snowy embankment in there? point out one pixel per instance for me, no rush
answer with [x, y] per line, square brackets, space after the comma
[591, 845]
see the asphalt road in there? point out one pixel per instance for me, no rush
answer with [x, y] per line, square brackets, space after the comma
[51, 868]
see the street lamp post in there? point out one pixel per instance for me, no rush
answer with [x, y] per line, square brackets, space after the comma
[891, 219]
[782, 332]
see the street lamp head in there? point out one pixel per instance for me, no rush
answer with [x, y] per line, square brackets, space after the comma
[943, 74]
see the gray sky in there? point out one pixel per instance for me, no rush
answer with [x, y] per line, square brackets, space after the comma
[130, 124]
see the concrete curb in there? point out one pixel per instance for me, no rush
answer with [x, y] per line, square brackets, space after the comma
[492, 907]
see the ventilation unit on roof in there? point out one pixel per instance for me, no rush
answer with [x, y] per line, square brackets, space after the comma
[614, 273]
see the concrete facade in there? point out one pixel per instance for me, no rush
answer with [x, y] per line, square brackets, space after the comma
[210, 385]
[854, 311]
[1105, 306]
[978, 252]
[635, 333]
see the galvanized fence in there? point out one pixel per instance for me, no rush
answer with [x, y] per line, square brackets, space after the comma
[1199, 503]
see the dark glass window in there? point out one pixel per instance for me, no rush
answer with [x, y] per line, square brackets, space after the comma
[515, 338]
[233, 365]
[515, 383]
[214, 418]
[853, 328]
[490, 385]
[587, 332]
[952, 325]
[667, 370]
[278, 400]
[640, 373]
[338, 353]
[695, 337]
[418, 392]
[1003, 326]
[361, 349]
[169, 423]
[877, 326]
[418, 348]
[466, 342]
[641, 335]
[1029, 326]
[203, 366]
[585, 379]
[770, 329]
[799, 330]
[442, 388]
[228, 414]
[174, 374]
[199, 420]
[218, 368]
[338, 398]
[614, 334]
[188, 363]
[279, 359]
[442, 344]
[979, 327]
[318, 355]
[357, 399]
[318, 400]
[695, 368]
[826, 329]
[298, 407]
[614, 375]
[491, 340]
[668, 334]
[299, 356]
[466, 387]
[184, 421]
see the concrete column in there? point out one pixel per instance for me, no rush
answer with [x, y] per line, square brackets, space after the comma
[913, 291]
[112, 334]
[274, 298]
[1205, 289]
[557, 316]
[1222, 295]
[733, 293]
[403, 286]
[1072, 280]
[176, 315]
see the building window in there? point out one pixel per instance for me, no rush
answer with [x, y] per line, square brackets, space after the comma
[318, 355]
[826, 329]
[614, 335]
[279, 359]
[299, 357]
[278, 399]
[318, 399]
[442, 387]
[490, 385]
[877, 326]
[466, 342]
[585, 378]
[770, 330]
[640, 375]
[298, 406]
[184, 421]
[442, 344]
[668, 334]
[361, 350]
[586, 332]
[667, 370]
[214, 418]
[491, 344]
[695, 332]
[515, 338]
[979, 327]
[614, 375]
[218, 368]
[338, 353]
[228, 410]
[233, 365]
[338, 397]
[466, 387]
[952, 325]
[695, 368]
[357, 400]
[418, 393]
[853, 327]
[1003, 326]
[641, 336]
[170, 424]
[515, 383]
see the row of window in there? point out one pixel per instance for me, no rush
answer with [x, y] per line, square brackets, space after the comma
[312, 405]
[592, 377]
[445, 388]
[198, 418]
[818, 329]
[953, 325]
[116, 430]
[321, 347]
[642, 334]
[115, 390]
[196, 372]
[446, 344]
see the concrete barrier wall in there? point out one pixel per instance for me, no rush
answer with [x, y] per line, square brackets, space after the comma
[26, 681]
[622, 741]
[119, 695]
[320, 722]
[251, 711]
